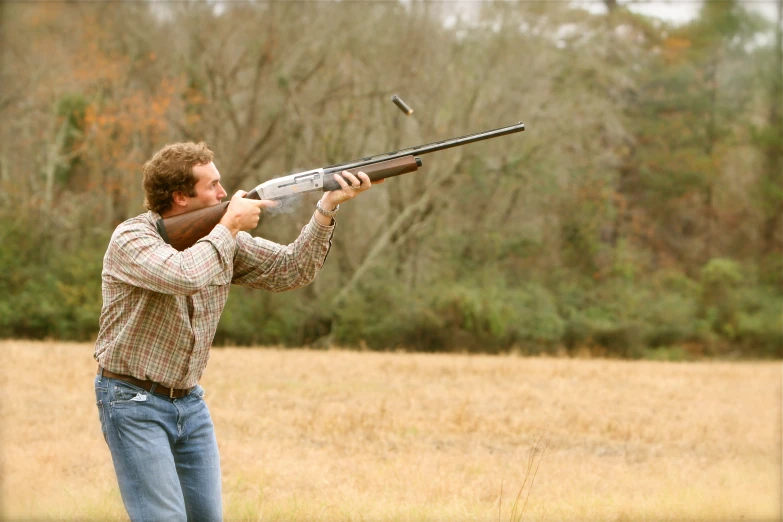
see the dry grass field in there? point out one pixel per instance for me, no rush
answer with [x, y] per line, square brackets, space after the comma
[338, 435]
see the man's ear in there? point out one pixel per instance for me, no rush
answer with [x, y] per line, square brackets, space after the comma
[179, 199]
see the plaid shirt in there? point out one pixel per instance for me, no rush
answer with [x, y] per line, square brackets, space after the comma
[161, 307]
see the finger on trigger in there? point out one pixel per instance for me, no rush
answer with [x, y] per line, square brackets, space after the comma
[269, 203]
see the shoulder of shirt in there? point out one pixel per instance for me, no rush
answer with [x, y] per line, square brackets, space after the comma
[141, 224]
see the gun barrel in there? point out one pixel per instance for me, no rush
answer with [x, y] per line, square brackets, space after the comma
[430, 147]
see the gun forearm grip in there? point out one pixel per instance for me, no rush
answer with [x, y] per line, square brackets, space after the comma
[378, 171]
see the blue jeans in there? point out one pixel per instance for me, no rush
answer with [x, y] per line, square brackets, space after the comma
[164, 451]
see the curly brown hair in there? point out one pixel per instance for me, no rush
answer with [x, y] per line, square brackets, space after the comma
[171, 170]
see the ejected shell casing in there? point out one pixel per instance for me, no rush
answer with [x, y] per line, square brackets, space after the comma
[402, 105]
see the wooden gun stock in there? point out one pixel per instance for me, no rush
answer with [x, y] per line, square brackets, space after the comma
[183, 230]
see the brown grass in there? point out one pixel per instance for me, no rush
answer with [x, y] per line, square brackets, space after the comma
[338, 435]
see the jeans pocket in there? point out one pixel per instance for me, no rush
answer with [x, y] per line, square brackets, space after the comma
[102, 418]
[126, 394]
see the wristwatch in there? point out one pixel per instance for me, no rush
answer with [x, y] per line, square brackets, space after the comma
[328, 213]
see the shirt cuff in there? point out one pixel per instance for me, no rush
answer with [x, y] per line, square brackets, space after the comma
[319, 231]
[223, 241]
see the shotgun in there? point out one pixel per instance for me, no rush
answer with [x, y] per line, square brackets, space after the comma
[182, 231]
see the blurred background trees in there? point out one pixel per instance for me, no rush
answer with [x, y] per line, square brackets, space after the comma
[639, 214]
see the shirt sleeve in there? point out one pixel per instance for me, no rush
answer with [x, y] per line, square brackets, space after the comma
[139, 257]
[260, 263]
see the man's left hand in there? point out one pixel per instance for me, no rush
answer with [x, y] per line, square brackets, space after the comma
[351, 185]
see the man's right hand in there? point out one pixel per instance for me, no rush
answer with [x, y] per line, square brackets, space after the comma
[243, 214]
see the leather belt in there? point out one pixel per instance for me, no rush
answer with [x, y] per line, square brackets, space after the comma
[159, 389]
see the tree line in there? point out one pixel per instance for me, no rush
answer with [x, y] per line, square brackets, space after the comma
[639, 214]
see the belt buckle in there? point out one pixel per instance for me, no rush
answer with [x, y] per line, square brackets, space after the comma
[171, 393]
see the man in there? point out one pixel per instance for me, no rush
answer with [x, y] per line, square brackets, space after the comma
[160, 311]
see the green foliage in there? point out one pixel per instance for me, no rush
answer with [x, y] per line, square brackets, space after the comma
[58, 296]
[389, 318]
[253, 317]
[667, 353]
[720, 276]
[497, 316]
[464, 317]
[720, 280]
[71, 109]
[602, 332]
[759, 322]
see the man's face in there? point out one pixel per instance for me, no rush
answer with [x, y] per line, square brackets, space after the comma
[209, 192]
